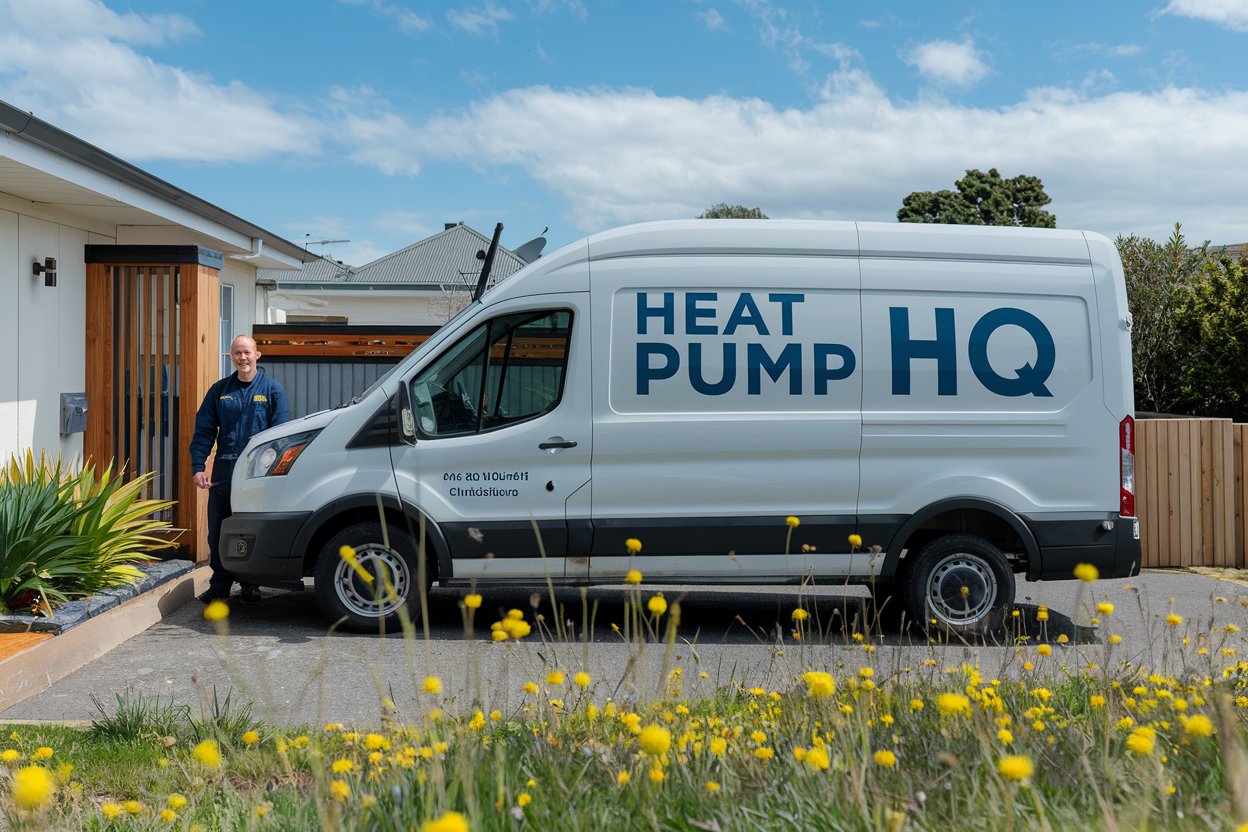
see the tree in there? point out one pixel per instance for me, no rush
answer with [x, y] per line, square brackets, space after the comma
[982, 199]
[1212, 319]
[724, 211]
[1159, 278]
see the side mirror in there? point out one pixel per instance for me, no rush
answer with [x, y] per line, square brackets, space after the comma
[407, 420]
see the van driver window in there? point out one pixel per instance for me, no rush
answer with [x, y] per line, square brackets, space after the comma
[508, 370]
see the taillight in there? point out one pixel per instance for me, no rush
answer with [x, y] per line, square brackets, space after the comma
[1126, 445]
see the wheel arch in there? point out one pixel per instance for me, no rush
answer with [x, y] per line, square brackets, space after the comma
[344, 511]
[960, 515]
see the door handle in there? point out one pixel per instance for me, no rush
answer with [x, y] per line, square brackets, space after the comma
[555, 443]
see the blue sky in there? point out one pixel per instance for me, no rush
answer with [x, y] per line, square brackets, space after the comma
[378, 120]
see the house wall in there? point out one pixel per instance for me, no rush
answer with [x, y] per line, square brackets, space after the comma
[370, 308]
[42, 331]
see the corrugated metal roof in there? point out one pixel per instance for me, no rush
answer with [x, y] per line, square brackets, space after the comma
[320, 270]
[447, 258]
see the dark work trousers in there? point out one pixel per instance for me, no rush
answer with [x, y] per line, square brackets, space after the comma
[219, 509]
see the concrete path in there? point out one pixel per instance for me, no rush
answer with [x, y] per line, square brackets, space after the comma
[279, 656]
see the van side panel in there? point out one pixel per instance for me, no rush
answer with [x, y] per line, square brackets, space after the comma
[984, 379]
[730, 401]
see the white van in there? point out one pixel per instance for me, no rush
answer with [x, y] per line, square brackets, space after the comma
[959, 397]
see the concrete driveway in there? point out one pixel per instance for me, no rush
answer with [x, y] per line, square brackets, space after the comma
[279, 656]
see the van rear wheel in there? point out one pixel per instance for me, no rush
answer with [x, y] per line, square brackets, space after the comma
[958, 584]
[345, 594]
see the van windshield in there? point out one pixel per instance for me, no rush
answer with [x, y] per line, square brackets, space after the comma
[406, 361]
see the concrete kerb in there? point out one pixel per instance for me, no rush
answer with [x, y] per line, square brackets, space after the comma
[95, 626]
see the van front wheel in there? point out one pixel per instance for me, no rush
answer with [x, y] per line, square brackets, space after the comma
[958, 584]
[383, 583]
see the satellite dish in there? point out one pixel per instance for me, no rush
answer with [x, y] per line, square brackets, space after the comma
[530, 251]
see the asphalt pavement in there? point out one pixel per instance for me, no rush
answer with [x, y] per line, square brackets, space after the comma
[281, 657]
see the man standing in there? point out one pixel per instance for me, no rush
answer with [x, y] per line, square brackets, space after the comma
[235, 409]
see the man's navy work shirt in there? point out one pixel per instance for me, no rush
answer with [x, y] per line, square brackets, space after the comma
[234, 411]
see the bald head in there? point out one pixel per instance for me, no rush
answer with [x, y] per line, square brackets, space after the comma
[244, 354]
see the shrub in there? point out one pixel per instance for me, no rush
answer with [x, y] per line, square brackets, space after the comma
[65, 534]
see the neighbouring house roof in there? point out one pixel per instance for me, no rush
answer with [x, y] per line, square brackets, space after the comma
[447, 259]
[108, 189]
[1236, 251]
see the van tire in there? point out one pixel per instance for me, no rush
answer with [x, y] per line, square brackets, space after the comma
[931, 586]
[345, 597]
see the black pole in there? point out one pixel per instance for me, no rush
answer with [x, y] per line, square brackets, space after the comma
[489, 263]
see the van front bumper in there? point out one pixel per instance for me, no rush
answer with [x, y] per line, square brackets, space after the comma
[258, 547]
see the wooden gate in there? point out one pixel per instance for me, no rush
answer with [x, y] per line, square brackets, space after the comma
[152, 354]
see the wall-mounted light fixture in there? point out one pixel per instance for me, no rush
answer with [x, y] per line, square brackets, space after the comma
[47, 268]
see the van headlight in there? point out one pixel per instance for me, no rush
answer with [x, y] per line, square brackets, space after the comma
[275, 457]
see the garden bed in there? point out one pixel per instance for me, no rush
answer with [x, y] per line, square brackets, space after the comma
[73, 613]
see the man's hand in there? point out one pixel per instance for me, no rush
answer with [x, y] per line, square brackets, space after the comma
[201, 480]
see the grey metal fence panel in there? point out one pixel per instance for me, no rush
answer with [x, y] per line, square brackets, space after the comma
[318, 385]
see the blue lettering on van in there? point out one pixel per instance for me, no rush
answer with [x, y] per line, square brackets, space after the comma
[726, 380]
[695, 310]
[666, 312]
[1029, 379]
[646, 372]
[824, 373]
[906, 349]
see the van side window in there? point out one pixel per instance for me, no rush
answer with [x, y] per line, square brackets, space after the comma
[509, 369]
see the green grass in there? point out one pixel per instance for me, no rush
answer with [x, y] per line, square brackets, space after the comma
[793, 757]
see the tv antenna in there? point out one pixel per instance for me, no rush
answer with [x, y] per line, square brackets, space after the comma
[307, 243]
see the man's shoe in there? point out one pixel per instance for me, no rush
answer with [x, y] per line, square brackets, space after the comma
[250, 593]
[214, 595]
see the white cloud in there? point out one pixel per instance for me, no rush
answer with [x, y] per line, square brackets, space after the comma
[81, 73]
[1233, 14]
[1126, 161]
[713, 20]
[407, 21]
[479, 21]
[946, 62]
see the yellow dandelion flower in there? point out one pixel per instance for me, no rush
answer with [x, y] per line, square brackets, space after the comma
[657, 775]
[339, 790]
[718, 746]
[217, 611]
[262, 809]
[1105, 608]
[251, 738]
[632, 545]
[800, 614]
[712, 787]
[1199, 726]
[1086, 572]
[42, 753]
[792, 522]
[496, 715]
[33, 787]
[132, 807]
[1016, 767]
[819, 683]
[855, 540]
[472, 601]
[176, 801]
[523, 799]
[953, 704]
[866, 672]
[1115, 639]
[554, 678]
[433, 684]
[342, 766]
[581, 680]
[1005, 736]
[10, 755]
[1174, 620]
[622, 778]
[654, 740]
[110, 809]
[1097, 701]
[1063, 639]
[885, 759]
[916, 704]
[168, 815]
[1042, 614]
[208, 754]
[764, 753]
[449, 822]
[657, 604]
[632, 576]
[1044, 650]
[1142, 740]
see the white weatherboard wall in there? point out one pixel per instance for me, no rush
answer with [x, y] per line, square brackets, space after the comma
[42, 332]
